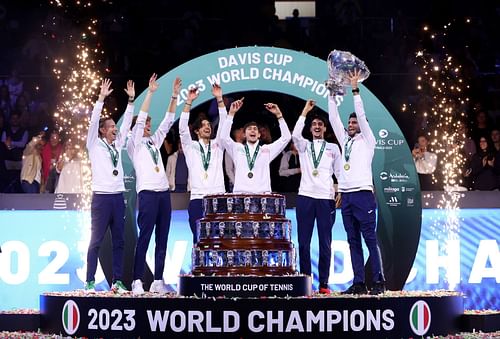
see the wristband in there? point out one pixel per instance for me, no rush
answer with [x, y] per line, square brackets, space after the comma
[187, 104]
[130, 99]
[355, 90]
[174, 98]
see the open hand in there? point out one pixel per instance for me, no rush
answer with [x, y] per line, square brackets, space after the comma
[130, 90]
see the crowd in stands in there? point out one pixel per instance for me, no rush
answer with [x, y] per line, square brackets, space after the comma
[36, 157]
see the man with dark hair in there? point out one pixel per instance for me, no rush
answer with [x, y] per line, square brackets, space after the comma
[251, 160]
[316, 198]
[204, 156]
[153, 196]
[356, 186]
[104, 143]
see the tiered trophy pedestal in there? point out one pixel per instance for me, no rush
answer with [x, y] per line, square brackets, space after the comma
[244, 250]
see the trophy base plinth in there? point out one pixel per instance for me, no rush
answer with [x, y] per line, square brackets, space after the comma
[245, 286]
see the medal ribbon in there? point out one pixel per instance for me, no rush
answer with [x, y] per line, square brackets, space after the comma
[348, 148]
[113, 153]
[251, 163]
[313, 154]
[153, 151]
[205, 159]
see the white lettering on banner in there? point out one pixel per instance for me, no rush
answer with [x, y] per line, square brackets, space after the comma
[487, 250]
[104, 320]
[356, 320]
[450, 262]
[316, 319]
[7, 273]
[239, 59]
[49, 274]
[192, 321]
[196, 320]
[251, 321]
[277, 59]
[294, 322]
[178, 321]
[199, 84]
[231, 317]
[332, 318]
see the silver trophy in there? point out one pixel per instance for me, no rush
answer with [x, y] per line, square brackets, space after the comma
[263, 202]
[239, 228]
[230, 258]
[230, 202]
[340, 64]
[222, 225]
[265, 258]
[207, 229]
[271, 229]
[255, 227]
[214, 204]
[246, 202]
[248, 258]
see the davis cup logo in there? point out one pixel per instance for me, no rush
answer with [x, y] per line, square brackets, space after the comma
[383, 133]
[70, 317]
[420, 317]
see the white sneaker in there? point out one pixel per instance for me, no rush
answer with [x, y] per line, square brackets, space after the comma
[158, 286]
[137, 288]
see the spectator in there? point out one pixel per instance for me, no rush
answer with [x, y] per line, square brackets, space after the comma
[50, 154]
[70, 169]
[5, 103]
[31, 172]
[495, 138]
[425, 162]
[481, 127]
[482, 165]
[469, 148]
[14, 139]
[289, 171]
[177, 172]
[15, 85]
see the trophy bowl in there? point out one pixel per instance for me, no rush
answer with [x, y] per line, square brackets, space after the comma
[340, 64]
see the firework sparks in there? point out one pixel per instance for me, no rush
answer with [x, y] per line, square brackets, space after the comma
[441, 80]
[78, 77]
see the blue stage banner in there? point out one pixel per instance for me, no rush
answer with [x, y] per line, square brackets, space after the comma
[45, 250]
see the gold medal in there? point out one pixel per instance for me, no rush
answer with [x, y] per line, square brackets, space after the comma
[347, 167]
[157, 169]
[315, 172]
[205, 175]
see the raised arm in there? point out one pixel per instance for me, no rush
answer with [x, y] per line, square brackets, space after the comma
[299, 141]
[93, 132]
[364, 127]
[279, 145]
[184, 132]
[225, 133]
[217, 93]
[138, 130]
[127, 116]
[168, 120]
[334, 118]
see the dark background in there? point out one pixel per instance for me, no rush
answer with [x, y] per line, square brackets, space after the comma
[142, 37]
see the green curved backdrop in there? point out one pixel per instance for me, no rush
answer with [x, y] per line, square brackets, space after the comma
[302, 75]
